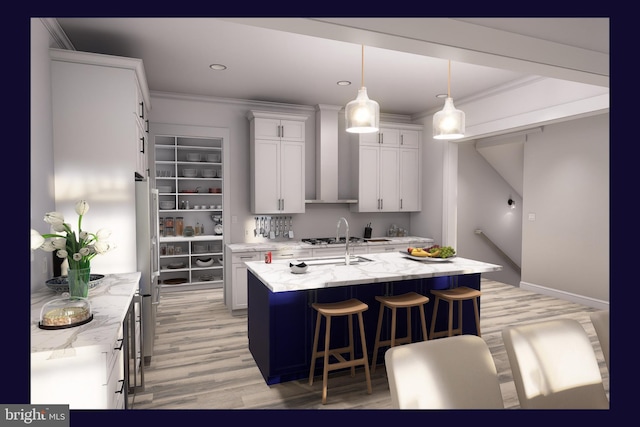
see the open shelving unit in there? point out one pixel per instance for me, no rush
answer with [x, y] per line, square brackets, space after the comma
[188, 173]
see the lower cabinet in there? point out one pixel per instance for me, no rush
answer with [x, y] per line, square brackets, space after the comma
[236, 294]
[96, 365]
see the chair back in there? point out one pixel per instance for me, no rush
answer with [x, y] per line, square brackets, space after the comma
[600, 320]
[554, 366]
[448, 373]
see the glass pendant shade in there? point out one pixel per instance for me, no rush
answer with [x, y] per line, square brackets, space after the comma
[448, 123]
[362, 115]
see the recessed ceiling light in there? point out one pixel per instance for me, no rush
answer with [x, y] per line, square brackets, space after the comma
[344, 83]
[218, 67]
[441, 95]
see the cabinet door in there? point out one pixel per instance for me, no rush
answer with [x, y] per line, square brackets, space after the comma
[239, 295]
[389, 137]
[292, 130]
[410, 138]
[368, 195]
[410, 180]
[267, 128]
[266, 197]
[388, 172]
[292, 177]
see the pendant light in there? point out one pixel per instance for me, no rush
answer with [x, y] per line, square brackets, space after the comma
[448, 123]
[362, 115]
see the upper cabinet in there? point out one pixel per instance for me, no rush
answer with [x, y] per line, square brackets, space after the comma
[100, 109]
[387, 172]
[100, 143]
[277, 162]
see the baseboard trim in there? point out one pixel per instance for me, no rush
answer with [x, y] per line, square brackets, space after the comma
[567, 296]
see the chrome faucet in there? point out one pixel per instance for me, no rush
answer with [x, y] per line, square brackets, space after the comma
[346, 254]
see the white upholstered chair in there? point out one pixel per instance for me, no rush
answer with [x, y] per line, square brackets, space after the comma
[448, 373]
[600, 320]
[554, 366]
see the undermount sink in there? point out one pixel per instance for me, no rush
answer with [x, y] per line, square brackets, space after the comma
[377, 240]
[337, 260]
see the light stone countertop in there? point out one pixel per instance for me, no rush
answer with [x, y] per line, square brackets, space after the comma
[109, 304]
[385, 267]
[297, 244]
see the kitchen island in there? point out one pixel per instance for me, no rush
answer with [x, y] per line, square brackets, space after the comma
[281, 320]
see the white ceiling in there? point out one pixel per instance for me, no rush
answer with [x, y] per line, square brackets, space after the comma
[299, 61]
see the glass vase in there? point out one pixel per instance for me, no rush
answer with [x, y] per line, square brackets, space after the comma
[79, 282]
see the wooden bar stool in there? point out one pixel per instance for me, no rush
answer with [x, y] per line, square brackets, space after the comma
[394, 302]
[329, 310]
[460, 295]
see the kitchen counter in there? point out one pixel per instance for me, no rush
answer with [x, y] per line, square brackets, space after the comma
[297, 244]
[281, 320]
[85, 366]
[384, 267]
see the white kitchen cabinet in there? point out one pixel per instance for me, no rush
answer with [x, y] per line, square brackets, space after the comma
[388, 171]
[236, 291]
[189, 174]
[277, 162]
[97, 149]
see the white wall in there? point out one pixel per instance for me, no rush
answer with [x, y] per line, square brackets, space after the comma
[566, 187]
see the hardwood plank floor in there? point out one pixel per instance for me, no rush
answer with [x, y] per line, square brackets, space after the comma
[202, 361]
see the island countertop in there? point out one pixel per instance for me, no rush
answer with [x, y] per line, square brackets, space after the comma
[384, 267]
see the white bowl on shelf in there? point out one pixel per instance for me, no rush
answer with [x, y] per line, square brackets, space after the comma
[204, 262]
[208, 173]
[193, 157]
[213, 158]
[189, 173]
[167, 204]
[164, 189]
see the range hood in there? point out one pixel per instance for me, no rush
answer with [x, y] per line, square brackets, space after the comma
[327, 155]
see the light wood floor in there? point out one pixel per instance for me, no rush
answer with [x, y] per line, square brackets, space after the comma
[202, 361]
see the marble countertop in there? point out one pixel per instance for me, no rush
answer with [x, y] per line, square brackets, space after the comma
[384, 267]
[297, 244]
[109, 304]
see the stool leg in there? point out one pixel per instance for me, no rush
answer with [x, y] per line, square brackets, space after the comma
[314, 351]
[325, 371]
[364, 353]
[351, 353]
[460, 317]
[409, 324]
[475, 309]
[393, 326]
[436, 303]
[450, 318]
[376, 345]
[425, 337]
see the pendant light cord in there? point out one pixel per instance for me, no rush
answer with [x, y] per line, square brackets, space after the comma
[449, 81]
[362, 77]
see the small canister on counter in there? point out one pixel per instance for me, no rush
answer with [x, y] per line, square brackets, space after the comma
[267, 257]
[179, 226]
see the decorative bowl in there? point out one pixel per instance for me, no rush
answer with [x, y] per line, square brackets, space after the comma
[298, 268]
[60, 284]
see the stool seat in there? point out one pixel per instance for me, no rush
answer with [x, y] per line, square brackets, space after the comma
[348, 308]
[459, 294]
[393, 302]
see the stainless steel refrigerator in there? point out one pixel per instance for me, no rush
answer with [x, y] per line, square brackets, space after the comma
[148, 261]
